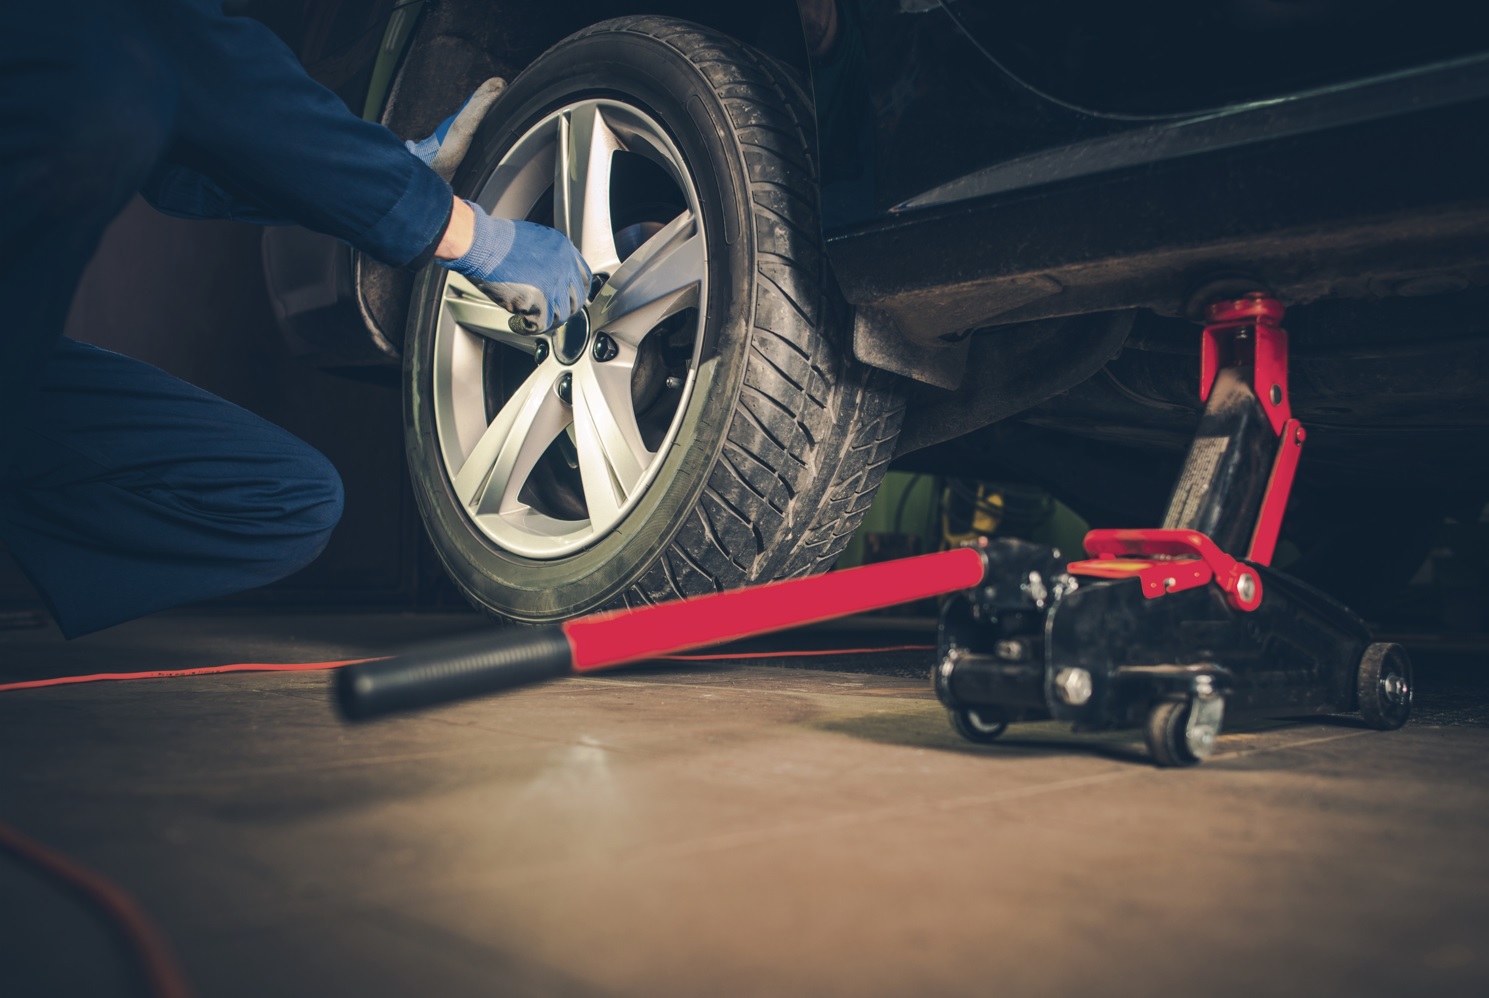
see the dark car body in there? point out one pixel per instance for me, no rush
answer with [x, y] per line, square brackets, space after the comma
[1035, 161]
[1029, 203]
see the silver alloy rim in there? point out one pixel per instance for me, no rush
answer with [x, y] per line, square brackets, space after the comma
[491, 459]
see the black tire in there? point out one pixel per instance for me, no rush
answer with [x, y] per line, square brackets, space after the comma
[786, 437]
[1165, 735]
[981, 726]
[1385, 686]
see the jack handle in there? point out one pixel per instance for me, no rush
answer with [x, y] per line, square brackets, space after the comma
[485, 663]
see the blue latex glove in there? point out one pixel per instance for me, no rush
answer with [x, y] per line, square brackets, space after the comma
[530, 270]
[443, 150]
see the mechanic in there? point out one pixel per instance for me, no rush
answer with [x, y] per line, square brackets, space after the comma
[122, 489]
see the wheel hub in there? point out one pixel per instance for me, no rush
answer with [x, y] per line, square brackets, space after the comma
[570, 339]
[1203, 725]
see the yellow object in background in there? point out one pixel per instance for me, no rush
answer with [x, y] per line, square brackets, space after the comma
[980, 514]
[915, 514]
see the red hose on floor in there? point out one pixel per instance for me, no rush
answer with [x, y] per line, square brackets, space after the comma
[114, 677]
[108, 677]
[157, 964]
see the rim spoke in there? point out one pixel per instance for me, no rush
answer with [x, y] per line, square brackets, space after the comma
[661, 278]
[581, 185]
[474, 311]
[613, 458]
[502, 459]
[599, 489]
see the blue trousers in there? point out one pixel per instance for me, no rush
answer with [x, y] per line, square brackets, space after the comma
[133, 491]
[122, 489]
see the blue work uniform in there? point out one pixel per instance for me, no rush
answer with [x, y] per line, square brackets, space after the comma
[124, 490]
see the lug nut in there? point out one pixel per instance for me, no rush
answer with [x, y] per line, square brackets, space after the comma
[541, 351]
[566, 389]
[1246, 587]
[605, 348]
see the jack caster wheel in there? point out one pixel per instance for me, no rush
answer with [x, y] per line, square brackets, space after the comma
[979, 726]
[1172, 740]
[1384, 683]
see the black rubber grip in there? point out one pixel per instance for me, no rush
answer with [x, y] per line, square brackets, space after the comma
[453, 670]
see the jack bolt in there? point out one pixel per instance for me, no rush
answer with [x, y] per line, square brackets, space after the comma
[1073, 685]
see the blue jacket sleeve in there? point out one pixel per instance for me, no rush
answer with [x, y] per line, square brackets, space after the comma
[256, 139]
[175, 190]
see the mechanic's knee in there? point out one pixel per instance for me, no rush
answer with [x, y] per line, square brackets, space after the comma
[313, 503]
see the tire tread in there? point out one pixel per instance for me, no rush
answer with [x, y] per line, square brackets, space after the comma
[836, 422]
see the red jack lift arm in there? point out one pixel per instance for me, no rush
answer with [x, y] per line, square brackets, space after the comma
[485, 663]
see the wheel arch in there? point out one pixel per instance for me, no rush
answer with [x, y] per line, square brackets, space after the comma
[459, 43]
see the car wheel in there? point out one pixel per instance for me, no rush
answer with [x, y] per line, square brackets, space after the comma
[702, 425]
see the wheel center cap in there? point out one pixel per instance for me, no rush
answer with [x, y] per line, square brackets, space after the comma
[570, 339]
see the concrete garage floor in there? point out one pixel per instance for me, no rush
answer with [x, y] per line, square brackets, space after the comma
[750, 830]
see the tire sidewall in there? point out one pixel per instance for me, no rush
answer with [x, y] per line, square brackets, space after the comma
[658, 79]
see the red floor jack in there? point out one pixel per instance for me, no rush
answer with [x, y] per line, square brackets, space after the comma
[1170, 629]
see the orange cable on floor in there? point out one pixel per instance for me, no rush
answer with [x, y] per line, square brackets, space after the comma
[112, 677]
[159, 967]
[723, 656]
[162, 975]
[108, 677]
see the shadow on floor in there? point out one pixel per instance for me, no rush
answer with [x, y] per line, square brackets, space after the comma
[930, 729]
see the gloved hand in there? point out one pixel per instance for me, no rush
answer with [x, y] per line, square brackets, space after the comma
[530, 270]
[443, 150]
